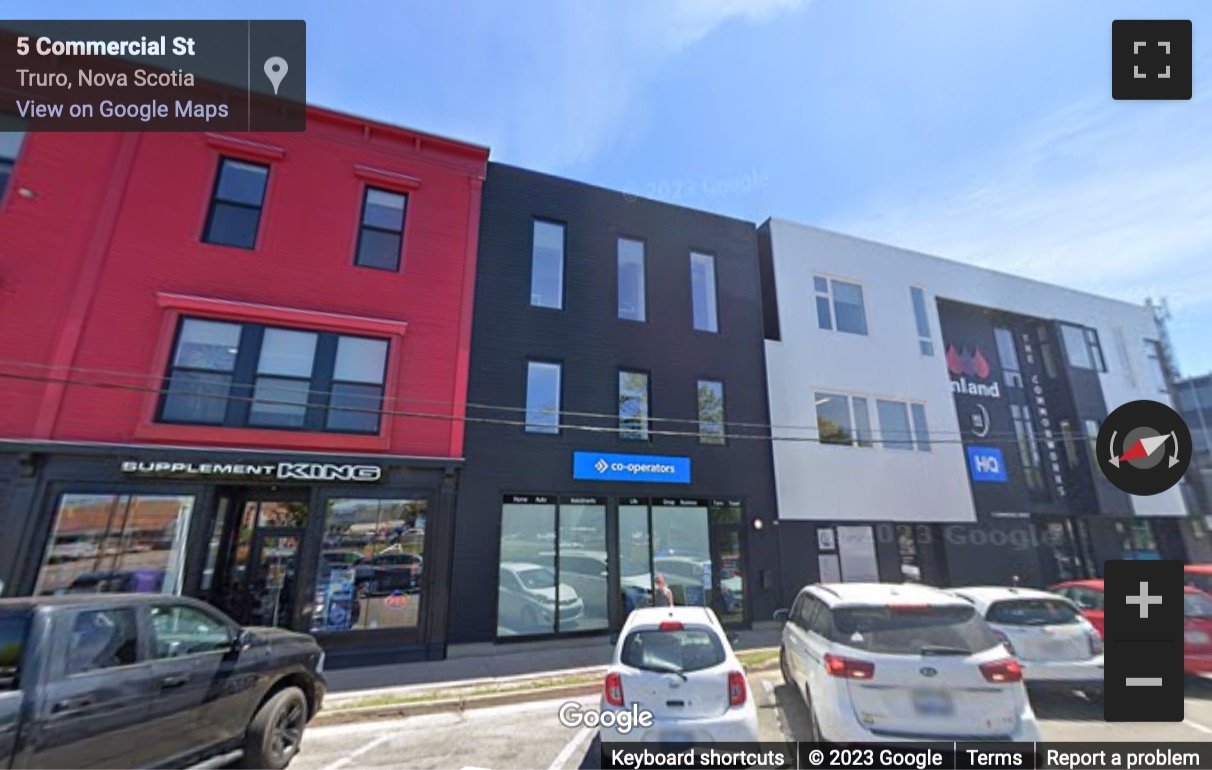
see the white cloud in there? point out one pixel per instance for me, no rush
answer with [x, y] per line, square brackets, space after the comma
[1110, 197]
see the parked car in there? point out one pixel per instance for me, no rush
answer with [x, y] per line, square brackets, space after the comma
[1197, 619]
[883, 662]
[677, 663]
[529, 595]
[350, 559]
[139, 680]
[117, 581]
[1199, 576]
[1046, 633]
[1087, 595]
[395, 571]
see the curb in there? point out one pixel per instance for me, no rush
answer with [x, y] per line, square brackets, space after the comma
[448, 705]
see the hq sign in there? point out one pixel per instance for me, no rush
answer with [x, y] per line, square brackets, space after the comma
[986, 464]
[598, 466]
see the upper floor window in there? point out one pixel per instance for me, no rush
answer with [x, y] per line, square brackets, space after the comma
[235, 205]
[632, 306]
[633, 405]
[702, 292]
[843, 420]
[381, 234]
[1157, 372]
[542, 397]
[248, 375]
[1082, 347]
[839, 305]
[924, 342]
[10, 148]
[547, 265]
[711, 412]
[1007, 354]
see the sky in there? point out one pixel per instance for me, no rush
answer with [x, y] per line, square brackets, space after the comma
[983, 132]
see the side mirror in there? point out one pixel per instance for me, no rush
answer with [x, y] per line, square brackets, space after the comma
[781, 615]
[734, 639]
[241, 640]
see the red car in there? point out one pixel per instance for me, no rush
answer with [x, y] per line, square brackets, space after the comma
[1199, 575]
[1197, 612]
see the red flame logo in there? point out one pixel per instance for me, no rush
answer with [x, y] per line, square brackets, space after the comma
[963, 363]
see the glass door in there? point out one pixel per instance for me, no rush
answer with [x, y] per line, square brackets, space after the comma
[727, 562]
[273, 565]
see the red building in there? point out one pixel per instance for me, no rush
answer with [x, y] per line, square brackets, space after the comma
[267, 334]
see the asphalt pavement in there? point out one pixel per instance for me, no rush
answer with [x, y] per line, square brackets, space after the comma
[529, 735]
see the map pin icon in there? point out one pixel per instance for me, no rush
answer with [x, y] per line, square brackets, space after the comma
[275, 70]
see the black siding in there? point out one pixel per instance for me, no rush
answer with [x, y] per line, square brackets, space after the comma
[592, 344]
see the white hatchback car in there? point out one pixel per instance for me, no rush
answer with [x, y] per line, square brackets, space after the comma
[677, 664]
[883, 662]
[1057, 647]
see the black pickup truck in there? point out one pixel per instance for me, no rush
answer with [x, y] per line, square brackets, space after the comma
[143, 680]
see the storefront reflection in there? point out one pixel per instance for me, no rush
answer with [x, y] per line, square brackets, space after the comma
[107, 543]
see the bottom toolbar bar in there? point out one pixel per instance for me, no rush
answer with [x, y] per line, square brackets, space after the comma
[943, 755]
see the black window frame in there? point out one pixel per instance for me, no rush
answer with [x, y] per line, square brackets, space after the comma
[715, 291]
[534, 223]
[1094, 348]
[538, 428]
[244, 377]
[8, 165]
[624, 430]
[706, 436]
[618, 275]
[216, 201]
[363, 227]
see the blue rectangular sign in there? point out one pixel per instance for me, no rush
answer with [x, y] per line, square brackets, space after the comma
[600, 466]
[986, 464]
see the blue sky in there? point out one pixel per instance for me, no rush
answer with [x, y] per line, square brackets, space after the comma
[980, 131]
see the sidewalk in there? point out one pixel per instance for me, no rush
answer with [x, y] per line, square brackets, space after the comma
[488, 662]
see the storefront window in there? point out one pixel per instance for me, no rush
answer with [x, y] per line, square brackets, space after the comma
[371, 566]
[110, 543]
[635, 556]
[1138, 540]
[681, 553]
[582, 568]
[526, 599]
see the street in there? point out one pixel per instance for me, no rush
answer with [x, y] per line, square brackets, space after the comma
[528, 735]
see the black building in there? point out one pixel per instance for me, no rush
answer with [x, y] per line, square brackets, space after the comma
[617, 405]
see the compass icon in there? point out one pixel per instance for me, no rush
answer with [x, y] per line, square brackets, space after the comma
[1144, 447]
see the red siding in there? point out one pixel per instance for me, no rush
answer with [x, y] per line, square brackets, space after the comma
[114, 221]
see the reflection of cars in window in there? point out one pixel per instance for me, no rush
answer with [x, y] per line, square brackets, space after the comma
[395, 571]
[685, 577]
[528, 598]
[117, 581]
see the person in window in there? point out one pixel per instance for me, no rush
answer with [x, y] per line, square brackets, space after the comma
[662, 596]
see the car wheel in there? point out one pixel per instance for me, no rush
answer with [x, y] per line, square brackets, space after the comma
[783, 666]
[275, 733]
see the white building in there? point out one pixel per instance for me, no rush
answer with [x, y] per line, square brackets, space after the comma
[934, 420]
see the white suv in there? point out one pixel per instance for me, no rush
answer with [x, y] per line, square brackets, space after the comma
[677, 664]
[1056, 646]
[882, 662]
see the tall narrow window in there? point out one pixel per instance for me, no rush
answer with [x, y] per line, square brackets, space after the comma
[200, 379]
[235, 206]
[1007, 353]
[924, 342]
[1028, 447]
[633, 405]
[894, 425]
[547, 265]
[542, 397]
[283, 383]
[711, 412]
[839, 305]
[381, 236]
[702, 291]
[10, 148]
[1082, 347]
[921, 430]
[631, 280]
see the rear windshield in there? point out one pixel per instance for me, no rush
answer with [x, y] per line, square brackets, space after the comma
[1197, 606]
[1032, 612]
[690, 649]
[13, 628]
[912, 630]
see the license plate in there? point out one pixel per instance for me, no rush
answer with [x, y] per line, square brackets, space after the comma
[932, 703]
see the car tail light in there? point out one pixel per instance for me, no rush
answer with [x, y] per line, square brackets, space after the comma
[848, 668]
[1005, 640]
[1002, 671]
[670, 625]
[614, 689]
[737, 691]
[1096, 644]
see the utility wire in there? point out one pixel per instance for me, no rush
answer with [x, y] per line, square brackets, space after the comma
[643, 429]
[610, 417]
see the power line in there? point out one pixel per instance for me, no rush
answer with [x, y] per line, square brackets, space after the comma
[1018, 441]
[609, 417]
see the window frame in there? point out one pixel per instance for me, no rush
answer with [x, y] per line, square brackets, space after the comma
[921, 318]
[707, 438]
[715, 291]
[1089, 341]
[534, 223]
[618, 274]
[65, 625]
[15, 160]
[541, 429]
[153, 639]
[363, 227]
[830, 295]
[213, 201]
[623, 431]
[244, 374]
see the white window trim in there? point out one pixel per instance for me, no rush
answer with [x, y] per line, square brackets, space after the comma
[828, 294]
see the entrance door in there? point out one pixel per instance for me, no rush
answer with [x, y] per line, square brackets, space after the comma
[258, 556]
